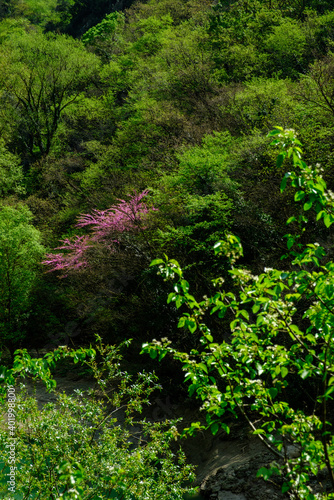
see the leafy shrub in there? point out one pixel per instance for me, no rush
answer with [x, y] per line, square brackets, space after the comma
[89, 446]
[281, 338]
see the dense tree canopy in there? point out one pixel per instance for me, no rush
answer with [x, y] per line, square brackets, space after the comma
[151, 118]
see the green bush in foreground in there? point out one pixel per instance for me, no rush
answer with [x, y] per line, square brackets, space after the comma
[277, 368]
[88, 446]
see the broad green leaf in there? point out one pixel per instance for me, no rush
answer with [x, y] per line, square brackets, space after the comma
[280, 159]
[182, 322]
[191, 324]
[328, 392]
[256, 308]
[307, 205]
[290, 243]
[214, 428]
[328, 220]
[299, 195]
[273, 392]
[171, 297]
[185, 285]
[155, 262]
[278, 130]
[304, 373]
[286, 487]
[203, 367]
[244, 313]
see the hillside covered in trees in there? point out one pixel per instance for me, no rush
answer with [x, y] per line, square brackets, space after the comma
[133, 131]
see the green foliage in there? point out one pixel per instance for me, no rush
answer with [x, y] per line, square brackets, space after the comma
[201, 170]
[286, 46]
[105, 35]
[39, 12]
[316, 88]
[151, 33]
[281, 336]
[262, 102]
[42, 75]
[194, 203]
[10, 27]
[11, 174]
[20, 252]
[89, 445]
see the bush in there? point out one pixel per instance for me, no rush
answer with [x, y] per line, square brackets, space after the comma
[88, 445]
[277, 367]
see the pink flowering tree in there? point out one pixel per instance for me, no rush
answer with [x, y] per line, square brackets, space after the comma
[106, 228]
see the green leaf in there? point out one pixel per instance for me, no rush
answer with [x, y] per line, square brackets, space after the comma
[155, 262]
[256, 308]
[329, 391]
[244, 313]
[328, 220]
[214, 428]
[284, 371]
[296, 158]
[203, 367]
[278, 130]
[309, 358]
[267, 473]
[259, 431]
[191, 324]
[290, 243]
[299, 195]
[307, 205]
[273, 392]
[311, 338]
[182, 322]
[280, 159]
[195, 426]
[153, 353]
[283, 183]
[304, 373]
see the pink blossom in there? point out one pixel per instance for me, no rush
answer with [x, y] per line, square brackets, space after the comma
[74, 256]
[125, 216]
[105, 225]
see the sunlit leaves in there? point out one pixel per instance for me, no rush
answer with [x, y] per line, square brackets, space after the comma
[274, 341]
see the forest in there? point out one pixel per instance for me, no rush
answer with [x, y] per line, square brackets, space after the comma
[166, 203]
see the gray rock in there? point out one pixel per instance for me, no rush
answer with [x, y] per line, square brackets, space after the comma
[228, 495]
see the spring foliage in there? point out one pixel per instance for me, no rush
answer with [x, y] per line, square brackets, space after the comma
[281, 327]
